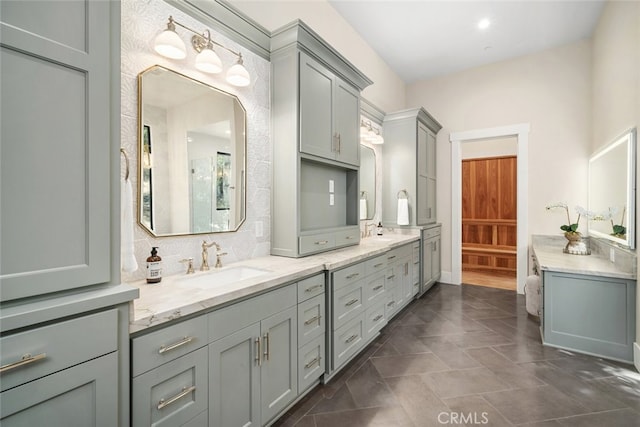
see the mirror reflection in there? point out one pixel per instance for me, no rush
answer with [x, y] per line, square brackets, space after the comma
[367, 182]
[192, 156]
[611, 191]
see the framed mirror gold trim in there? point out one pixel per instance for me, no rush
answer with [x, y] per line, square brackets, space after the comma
[191, 156]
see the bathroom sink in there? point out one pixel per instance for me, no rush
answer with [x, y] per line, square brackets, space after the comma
[222, 277]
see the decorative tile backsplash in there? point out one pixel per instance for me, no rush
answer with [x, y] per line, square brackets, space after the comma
[141, 22]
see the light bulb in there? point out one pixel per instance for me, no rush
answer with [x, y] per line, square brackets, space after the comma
[208, 61]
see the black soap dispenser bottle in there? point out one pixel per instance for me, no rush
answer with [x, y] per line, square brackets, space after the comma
[154, 267]
[379, 230]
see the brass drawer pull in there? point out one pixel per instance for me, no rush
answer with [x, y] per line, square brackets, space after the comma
[351, 338]
[314, 319]
[313, 288]
[351, 276]
[266, 346]
[390, 303]
[313, 362]
[185, 392]
[378, 287]
[378, 317]
[321, 242]
[391, 257]
[163, 349]
[25, 360]
[258, 358]
[350, 303]
[380, 264]
[391, 277]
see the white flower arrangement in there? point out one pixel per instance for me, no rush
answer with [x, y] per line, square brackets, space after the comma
[571, 227]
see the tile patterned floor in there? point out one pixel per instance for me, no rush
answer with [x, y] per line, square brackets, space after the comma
[470, 355]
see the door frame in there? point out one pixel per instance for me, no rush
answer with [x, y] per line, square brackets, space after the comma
[521, 132]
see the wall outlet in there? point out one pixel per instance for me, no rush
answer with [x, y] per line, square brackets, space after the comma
[612, 255]
[331, 186]
[259, 229]
[331, 200]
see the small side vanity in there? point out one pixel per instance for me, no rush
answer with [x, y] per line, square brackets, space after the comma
[587, 301]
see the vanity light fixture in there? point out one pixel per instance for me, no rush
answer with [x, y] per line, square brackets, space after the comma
[370, 133]
[169, 44]
[483, 24]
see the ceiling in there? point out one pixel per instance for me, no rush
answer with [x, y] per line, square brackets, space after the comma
[422, 39]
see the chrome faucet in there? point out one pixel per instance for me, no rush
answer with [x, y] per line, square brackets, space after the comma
[189, 262]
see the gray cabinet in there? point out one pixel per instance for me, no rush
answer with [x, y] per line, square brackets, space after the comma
[311, 331]
[431, 256]
[410, 141]
[589, 314]
[315, 116]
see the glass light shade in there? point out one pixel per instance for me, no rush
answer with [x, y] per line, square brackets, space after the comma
[169, 44]
[378, 139]
[237, 75]
[208, 61]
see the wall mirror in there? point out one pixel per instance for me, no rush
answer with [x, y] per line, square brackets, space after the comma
[192, 156]
[612, 188]
[367, 182]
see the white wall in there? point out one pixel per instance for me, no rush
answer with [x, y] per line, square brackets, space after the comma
[616, 88]
[141, 22]
[387, 91]
[551, 90]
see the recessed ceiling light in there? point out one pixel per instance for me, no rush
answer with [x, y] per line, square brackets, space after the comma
[483, 24]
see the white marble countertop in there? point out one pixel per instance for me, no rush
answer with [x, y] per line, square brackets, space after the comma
[175, 297]
[549, 255]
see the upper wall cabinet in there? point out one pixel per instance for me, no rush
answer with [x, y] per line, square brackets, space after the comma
[315, 110]
[410, 141]
[55, 172]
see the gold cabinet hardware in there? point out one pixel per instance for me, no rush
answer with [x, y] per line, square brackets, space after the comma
[185, 392]
[351, 338]
[350, 303]
[314, 319]
[313, 288]
[313, 362]
[258, 358]
[184, 341]
[26, 359]
[266, 346]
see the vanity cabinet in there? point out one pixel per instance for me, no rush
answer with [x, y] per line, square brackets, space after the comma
[431, 256]
[410, 141]
[399, 279]
[315, 126]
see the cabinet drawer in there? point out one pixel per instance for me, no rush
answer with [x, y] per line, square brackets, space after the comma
[348, 340]
[51, 348]
[348, 275]
[311, 363]
[374, 289]
[152, 350]
[392, 277]
[311, 319]
[232, 318]
[309, 288]
[347, 237]
[200, 420]
[171, 394]
[416, 252]
[431, 232]
[374, 319]
[317, 243]
[347, 303]
[375, 265]
[394, 301]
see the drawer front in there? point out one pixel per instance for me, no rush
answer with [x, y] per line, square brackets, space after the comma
[311, 319]
[32, 354]
[348, 275]
[309, 288]
[347, 303]
[347, 341]
[416, 253]
[232, 318]
[317, 243]
[200, 420]
[348, 237]
[374, 319]
[171, 394]
[431, 232]
[311, 363]
[152, 350]
[392, 277]
[375, 265]
[394, 302]
[374, 289]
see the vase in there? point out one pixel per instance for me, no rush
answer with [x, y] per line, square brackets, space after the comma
[576, 245]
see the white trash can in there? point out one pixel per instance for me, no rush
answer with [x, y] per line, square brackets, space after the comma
[532, 295]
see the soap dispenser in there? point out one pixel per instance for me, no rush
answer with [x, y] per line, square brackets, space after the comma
[154, 267]
[379, 230]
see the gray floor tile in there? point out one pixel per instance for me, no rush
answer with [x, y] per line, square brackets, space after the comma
[472, 411]
[451, 355]
[587, 367]
[369, 389]
[341, 400]
[623, 388]
[368, 417]
[394, 366]
[479, 339]
[620, 417]
[463, 382]
[528, 351]
[420, 403]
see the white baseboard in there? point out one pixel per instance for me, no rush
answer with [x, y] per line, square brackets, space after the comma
[636, 355]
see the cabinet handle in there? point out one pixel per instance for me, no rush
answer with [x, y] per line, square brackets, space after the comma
[185, 392]
[351, 338]
[391, 257]
[429, 216]
[378, 317]
[266, 345]
[25, 360]
[258, 351]
[350, 303]
[391, 303]
[313, 288]
[313, 362]
[163, 349]
[380, 264]
[339, 143]
[350, 237]
[351, 276]
[314, 319]
[391, 277]
[378, 287]
[333, 141]
[321, 242]
[406, 268]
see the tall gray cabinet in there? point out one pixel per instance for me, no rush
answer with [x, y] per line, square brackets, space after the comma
[409, 163]
[315, 110]
[64, 315]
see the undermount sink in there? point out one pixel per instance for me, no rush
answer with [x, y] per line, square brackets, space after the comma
[222, 277]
